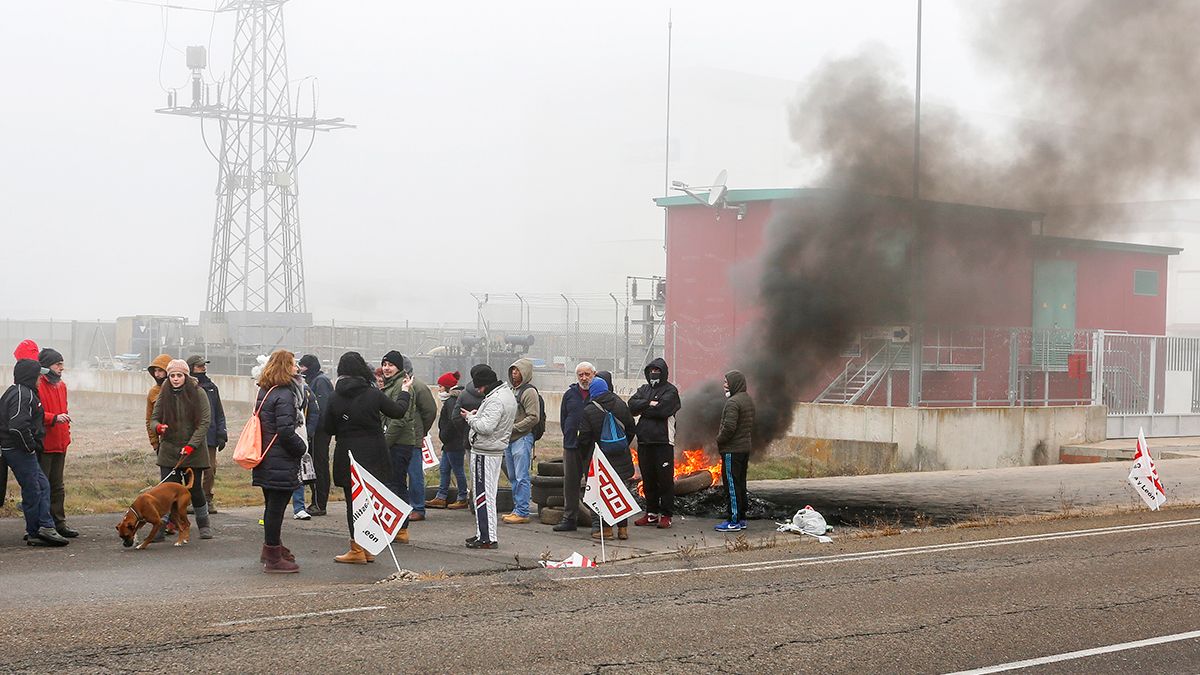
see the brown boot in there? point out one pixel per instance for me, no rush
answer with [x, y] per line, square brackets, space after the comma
[460, 504]
[436, 503]
[287, 555]
[402, 536]
[606, 530]
[357, 555]
[622, 532]
[276, 564]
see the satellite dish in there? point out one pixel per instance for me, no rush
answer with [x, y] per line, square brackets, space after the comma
[717, 191]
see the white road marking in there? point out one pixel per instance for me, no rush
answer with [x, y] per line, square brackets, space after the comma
[287, 617]
[895, 552]
[1082, 653]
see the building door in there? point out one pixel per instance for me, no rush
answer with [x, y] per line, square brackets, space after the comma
[1053, 311]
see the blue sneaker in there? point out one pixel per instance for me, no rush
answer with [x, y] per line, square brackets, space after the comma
[729, 526]
[741, 524]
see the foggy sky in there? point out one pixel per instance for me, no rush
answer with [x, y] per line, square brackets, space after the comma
[500, 148]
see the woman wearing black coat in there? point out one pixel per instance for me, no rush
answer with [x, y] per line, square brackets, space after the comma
[601, 401]
[353, 418]
[283, 444]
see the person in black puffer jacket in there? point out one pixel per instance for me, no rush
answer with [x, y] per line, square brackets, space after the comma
[656, 404]
[602, 401]
[354, 418]
[284, 443]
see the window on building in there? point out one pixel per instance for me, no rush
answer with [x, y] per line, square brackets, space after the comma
[1145, 282]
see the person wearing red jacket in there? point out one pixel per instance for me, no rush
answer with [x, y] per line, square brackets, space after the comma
[53, 455]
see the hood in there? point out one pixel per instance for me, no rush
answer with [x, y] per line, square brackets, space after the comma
[525, 368]
[352, 365]
[26, 373]
[351, 386]
[160, 361]
[607, 377]
[28, 349]
[598, 387]
[656, 363]
[312, 366]
[737, 382]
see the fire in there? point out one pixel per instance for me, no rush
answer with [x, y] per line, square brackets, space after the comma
[691, 462]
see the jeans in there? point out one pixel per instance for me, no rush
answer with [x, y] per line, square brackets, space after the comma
[35, 488]
[416, 480]
[453, 462]
[401, 456]
[297, 499]
[517, 457]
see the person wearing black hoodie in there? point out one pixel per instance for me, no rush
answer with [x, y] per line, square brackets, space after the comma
[20, 441]
[656, 404]
[601, 401]
[322, 389]
[353, 417]
[218, 432]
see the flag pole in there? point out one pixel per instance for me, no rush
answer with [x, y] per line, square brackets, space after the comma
[393, 552]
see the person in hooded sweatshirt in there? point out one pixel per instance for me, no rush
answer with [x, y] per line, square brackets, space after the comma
[450, 434]
[20, 441]
[518, 456]
[322, 389]
[354, 419]
[158, 371]
[26, 349]
[281, 403]
[218, 432]
[656, 403]
[181, 418]
[734, 444]
[53, 456]
[490, 429]
[601, 401]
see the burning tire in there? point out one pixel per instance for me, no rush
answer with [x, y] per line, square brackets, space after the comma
[693, 482]
[554, 468]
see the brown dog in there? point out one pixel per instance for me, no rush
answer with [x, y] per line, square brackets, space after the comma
[171, 499]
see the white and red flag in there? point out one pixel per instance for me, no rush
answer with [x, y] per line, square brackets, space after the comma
[606, 493]
[1143, 476]
[574, 560]
[378, 512]
[429, 458]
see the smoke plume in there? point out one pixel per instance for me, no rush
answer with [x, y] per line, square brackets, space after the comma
[1107, 114]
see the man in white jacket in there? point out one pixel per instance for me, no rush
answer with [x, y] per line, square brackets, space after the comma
[491, 426]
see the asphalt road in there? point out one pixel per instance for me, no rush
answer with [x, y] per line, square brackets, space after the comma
[940, 600]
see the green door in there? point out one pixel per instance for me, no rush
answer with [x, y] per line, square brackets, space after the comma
[1053, 311]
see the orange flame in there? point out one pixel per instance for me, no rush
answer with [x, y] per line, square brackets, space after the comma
[691, 462]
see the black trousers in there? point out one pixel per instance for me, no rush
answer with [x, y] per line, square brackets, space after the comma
[733, 474]
[657, 462]
[3, 480]
[349, 510]
[320, 491]
[575, 467]
[275, 504]
[180, 477]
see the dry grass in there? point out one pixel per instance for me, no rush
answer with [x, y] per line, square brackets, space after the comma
[738, 544]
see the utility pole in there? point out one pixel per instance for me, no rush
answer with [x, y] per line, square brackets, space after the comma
[917, 330]
[257, 263]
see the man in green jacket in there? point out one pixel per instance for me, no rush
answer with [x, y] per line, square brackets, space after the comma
[734, 443]
[404, 435]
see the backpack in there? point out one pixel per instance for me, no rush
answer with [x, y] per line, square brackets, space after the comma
[612, 432]
[539, 429]
[249, 451]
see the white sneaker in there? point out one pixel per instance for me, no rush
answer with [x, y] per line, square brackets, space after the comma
[301, 515]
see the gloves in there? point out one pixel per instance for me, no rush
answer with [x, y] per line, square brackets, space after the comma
[187, 450]
[160, 429]
[220, 446]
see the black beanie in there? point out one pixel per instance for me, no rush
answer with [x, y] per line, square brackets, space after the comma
[311, 363]
[395, 358]
[48, 357]
[482, 375]
[352, 364]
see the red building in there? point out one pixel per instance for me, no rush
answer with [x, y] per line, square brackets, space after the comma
[1022, 344]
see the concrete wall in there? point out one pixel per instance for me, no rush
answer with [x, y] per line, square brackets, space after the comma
[929, 439]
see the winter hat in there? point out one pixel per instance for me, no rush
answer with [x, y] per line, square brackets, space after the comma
[49, 356]
[483, 376]
[28, 349]
[310, 363]
[177, 365]
[597, 387]
[394, 357]
[449, 380]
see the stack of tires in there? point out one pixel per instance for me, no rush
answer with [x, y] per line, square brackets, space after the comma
[547, 492]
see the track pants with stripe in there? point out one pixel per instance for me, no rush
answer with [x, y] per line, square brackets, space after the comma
[733, 474]
[485, 474]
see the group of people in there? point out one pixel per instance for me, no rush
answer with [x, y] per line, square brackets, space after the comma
[381, 415]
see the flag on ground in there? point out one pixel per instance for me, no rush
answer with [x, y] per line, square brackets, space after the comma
[573, 560]
[429, 458]
[378, 512]
[1143, 476]
[606, 493]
